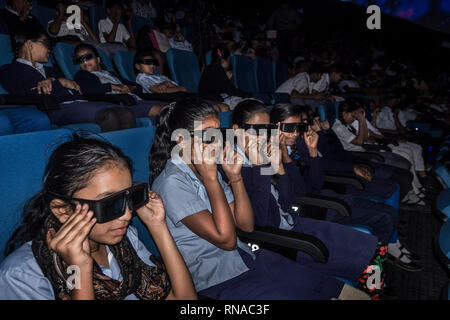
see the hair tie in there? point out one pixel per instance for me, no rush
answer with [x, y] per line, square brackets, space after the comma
[219, 53]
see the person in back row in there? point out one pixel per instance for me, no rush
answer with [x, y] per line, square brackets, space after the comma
[203, 213]
[146, 63]
[93, 79]
[27, 75]
[216, 78]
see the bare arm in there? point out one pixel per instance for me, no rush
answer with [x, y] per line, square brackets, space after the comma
[217, 227]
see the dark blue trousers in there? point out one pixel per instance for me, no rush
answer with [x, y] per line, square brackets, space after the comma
[380, 217]
[350, 251]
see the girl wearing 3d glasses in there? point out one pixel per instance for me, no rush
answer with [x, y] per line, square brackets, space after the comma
[380, 217]
[203, 212]
[145, 63]
[93, 79]
[81, 220]
[351, 252]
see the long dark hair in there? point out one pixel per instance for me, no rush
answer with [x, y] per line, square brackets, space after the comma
[347, 106]
[22, 35]
[282, 111]
[244, 110]
[70, 168]
[176, 115]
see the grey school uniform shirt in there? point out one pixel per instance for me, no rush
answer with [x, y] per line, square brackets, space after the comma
[21, 278]
[183, 195]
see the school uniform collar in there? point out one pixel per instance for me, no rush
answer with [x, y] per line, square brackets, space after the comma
[38, 66]
[8, 8]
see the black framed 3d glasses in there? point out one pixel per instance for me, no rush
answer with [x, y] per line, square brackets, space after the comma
[149, 62]
[83, 58]
[114, 206]
[300, 127]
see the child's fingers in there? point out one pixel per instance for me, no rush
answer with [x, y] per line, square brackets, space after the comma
[75, 231]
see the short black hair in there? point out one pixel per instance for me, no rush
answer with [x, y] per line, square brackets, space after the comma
[111, 3]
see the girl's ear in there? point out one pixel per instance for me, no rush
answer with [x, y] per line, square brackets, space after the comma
[61, 210]
[137, 66]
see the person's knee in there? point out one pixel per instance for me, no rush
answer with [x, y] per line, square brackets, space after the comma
[154, 111]
[127, 118]
[108, 120]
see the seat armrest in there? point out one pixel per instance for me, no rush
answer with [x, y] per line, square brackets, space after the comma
[42, 101]
[355, 181]
[268, 237]
[368, 155]
[324, 202]
[120, 99]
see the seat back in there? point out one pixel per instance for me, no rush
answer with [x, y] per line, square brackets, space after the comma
[184, 68]
[22, 171]
[444, 239]
[443, 203]
[225, 119]
[280, 72]
[138, 23]
[136, 144]
[45, 14]
[265, 76]
[6, 53]
[123, 60]
[63, 53]
[442, 174]
[208, 58]
[96, 13]
[244, 74]
[327, 111]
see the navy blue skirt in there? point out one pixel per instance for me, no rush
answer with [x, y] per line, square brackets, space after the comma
[274, 277]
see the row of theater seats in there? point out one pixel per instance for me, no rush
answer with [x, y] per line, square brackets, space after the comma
[96, 12]
[27, 154]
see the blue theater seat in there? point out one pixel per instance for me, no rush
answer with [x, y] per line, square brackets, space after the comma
[27, 155]
[184, 68]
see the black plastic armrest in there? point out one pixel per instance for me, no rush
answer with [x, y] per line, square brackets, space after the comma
[41, 101]
[324, 202]
[376, 147]
[368, 155]
[121, 99]
[345, 179]
[288, 239]
[166, 97]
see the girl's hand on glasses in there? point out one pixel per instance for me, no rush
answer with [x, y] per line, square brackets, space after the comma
[232, 164]
[71, 241]
[204, 160]
[311, 139]
[153, 213]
